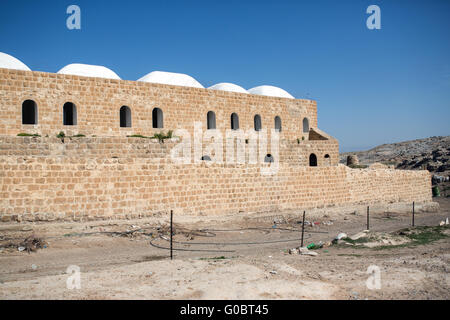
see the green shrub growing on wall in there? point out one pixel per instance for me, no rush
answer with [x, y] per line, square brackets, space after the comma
[28, 135]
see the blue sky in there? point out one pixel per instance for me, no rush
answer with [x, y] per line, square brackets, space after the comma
[372, 86]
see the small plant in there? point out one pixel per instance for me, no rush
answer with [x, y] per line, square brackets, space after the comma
[78, 136]
[298, 141]
[28, 135]
[303, 138]
[162, 136]
[61, 135]
[137, 136]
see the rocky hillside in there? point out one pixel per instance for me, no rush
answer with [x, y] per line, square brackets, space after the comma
[432, 154]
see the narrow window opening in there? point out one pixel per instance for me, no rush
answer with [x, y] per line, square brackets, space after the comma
[29, 112]
[278, 123]
[268, 158]
[157, 117]
[211, 120]
[125, 117]
[257, 122]
[312, 160]
[234, 121]
[305, 125]
[69, 114]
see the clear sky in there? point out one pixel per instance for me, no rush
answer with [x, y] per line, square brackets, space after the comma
[372, 86]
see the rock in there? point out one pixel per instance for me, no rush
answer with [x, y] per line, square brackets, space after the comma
[341, 235]
[306, 252]
[352, 160]
[359, 235]
[293, 251]
[309, 253]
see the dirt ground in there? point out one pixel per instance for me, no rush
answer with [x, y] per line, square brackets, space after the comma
[235, 258]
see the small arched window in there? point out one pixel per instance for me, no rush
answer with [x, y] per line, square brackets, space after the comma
[29, 112]
[268, 158]
[125, 117]
[312, 160]
[234, 121]
[305, 125]
[257, 122]
[211, 120]
[157, 118]
[69, 114]
[278, 123]
[327, 159]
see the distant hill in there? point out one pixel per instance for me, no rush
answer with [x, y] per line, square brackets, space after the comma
[431, 153]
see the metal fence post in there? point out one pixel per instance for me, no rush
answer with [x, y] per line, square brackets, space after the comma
[303, 227]
[171, 234]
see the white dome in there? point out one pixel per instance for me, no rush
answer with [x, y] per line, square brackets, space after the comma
[176, 79]
[225, 86]
[87, 70]
[270, 91]
[9, 62]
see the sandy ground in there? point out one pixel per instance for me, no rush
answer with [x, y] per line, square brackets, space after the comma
[253, 264]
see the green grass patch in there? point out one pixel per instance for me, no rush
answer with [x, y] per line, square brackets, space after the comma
[357, 241]
[358, 166]
[28, 135]
[163, 136]
[138, 136]
[419, 236]
[61, 135]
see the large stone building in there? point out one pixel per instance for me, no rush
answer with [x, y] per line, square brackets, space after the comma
[105, 167]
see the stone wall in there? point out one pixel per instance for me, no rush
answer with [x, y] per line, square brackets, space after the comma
[98, 102]
[97, 178]
[294, 153]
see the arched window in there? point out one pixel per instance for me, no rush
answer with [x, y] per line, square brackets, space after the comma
[257, 122]
[312, 160]
[29, 112]
[305, 125]
[327, 159]
[125, 117]
[69, 114]
[234, 121]
[157, 117]
[206, 158]
[278, 123]
[211, 120]
[268, 158]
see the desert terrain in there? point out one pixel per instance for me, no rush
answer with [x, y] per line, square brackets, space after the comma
[234, 257]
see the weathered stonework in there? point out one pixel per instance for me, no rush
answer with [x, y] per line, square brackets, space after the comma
[107, 174]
